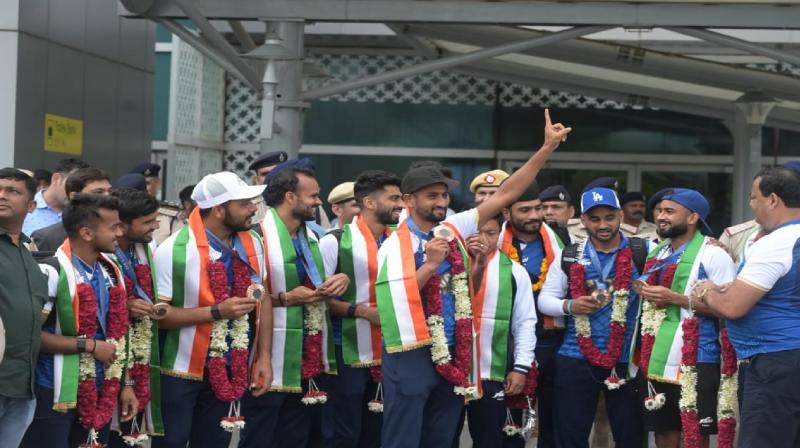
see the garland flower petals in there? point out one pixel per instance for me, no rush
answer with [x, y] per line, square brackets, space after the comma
[227, 387]
[618, 322]
[312, 364]
[454, 371]
[95, 409]
[727, 402]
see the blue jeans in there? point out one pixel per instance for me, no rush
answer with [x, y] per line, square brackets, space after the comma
[15, 416]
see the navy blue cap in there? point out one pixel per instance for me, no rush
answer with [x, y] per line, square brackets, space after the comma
[268, 159]
[147, 169]
[603, 182]
[305, 163]
[631, 196]
[694, 201]
[131, 180]
[555, 193]
[657, 197]
[597, 197]
[794, 165]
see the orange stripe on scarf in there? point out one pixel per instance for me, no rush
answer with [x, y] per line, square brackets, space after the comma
[410, 284]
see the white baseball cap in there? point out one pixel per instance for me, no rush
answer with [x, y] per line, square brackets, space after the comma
[219, 188]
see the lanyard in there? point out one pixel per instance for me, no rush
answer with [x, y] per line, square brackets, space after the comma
[661, 264]
[217, 244]
[420, 252]
[603, 271]
[125, 261]
[308, 259]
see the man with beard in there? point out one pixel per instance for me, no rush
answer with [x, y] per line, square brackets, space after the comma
[683, 257]
[424, 302]
[600, 324]
[532, 243]
[762, 312]
[77, 361]
[301, 349]
[634, 208]
[138, 214]
[356, 326]
[201, 270]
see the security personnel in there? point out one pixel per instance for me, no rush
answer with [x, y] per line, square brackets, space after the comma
[486, 184]
[634, 209]
[343, 204]
[558, 211]
[150, 171]
[738, 238]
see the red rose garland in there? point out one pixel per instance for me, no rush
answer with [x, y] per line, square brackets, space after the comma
[228, 388]
[520, 401]
[139, 372]
[376, 404]
[727, 395]
[95, 413]
[616, 340]
[689, 419]
[454, 371]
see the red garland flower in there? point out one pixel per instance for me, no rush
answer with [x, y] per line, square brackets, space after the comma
[729, 361]
[520, 401]
[94, 413]
[727, 432]
[145, 279]
[225, 388]
[691, 429]
[455, 372]
[577, 286]
[376, 373]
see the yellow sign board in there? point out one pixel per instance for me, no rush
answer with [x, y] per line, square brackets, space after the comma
[62, 134]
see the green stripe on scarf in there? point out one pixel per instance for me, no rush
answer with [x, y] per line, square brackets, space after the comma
[383, 294]
[67, 321]
[502, 318]
[346, 266]
[666, 334]
[173, 336]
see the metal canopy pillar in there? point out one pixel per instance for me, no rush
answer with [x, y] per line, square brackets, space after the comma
[283, 80]
[752, 109]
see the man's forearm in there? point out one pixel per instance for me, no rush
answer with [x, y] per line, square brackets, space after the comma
[424, 273]
[55, 343]
[185, 317]
[265, 331]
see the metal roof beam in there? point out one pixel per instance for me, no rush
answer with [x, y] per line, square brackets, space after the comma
[577, 13]
[739, 44]
[624, 59]
[452, 61]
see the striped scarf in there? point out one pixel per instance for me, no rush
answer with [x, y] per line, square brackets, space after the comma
[552, 247]
[492, 305]
[665, 359]
[398, 294]
[358, 258]
[287, 337]
[67, 308]
[185, 349]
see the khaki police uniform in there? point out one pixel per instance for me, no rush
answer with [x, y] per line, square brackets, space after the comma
[646, 230]
[737, 238]
[171, 218]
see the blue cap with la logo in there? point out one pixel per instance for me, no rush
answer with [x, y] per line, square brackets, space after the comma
[597, 197]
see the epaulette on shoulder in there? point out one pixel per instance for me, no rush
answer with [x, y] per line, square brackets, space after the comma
[739, 228]
[169, 208]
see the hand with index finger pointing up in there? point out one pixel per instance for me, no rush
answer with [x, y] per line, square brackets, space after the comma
[554, 134]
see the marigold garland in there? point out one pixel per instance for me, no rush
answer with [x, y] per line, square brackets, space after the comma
[95, 409]
[583, 328]
[454, 371]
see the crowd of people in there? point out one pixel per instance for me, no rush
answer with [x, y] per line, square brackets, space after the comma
[129, 321]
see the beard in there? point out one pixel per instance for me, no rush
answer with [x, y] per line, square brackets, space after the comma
[304, 213]
[386, 215]
[528, 227]
[143, 239]
[596, 234]
[432, 216]
[673, 231]
[237, 225]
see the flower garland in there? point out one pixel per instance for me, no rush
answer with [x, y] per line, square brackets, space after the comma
[376, 404]
[95, 410]
[523, 400]
[727, 398]
[688, 401]
[140, 337]
[225, 388]
[513, 254]
[652, 317]
[454, 371]
[619, 308]
[312, 364]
